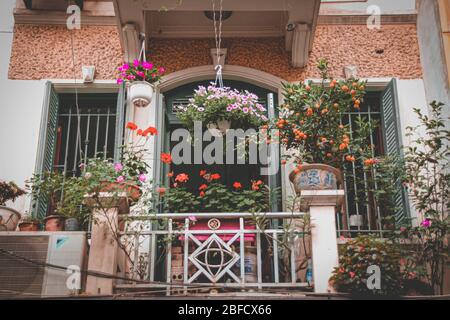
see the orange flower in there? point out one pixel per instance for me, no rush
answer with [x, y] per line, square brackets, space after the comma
[237, 185]
[309, 112]
[162, 191]
[343, 146]
[283, 162]
[336, 106]
[202, 173]
[369, 162]
[324, 111]
[350, 158]
[151, 131]
[324, 139]
[203, 187]
[139, 132]
[215, 176]
[170, 174]
[344, 88]
[182, 177]
[132, 126]
[166, 158]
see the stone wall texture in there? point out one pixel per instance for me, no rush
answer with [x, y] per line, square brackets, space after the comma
[45, 52]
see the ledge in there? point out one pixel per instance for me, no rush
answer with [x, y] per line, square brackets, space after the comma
[322, 197]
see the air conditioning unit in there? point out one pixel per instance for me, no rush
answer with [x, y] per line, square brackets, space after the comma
[22, 278]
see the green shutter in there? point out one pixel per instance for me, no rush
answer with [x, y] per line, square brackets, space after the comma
[47, 142]
[120, 117]
[393, 144]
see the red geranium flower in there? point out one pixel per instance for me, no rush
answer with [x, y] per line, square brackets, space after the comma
[166, 158]
[182, 177]
[151, 130]
[203, 187]
[132, 126]
[237, 185]
[202, 173]
[215, 176]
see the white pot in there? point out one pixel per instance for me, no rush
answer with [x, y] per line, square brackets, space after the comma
[141, 93]
[356, 220]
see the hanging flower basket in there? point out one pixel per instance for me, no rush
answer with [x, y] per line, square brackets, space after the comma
[141, 77]
[141, 93]
[222, 108]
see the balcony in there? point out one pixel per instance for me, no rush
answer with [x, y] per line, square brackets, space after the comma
[173, 255]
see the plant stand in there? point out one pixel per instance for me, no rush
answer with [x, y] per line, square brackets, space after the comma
[322, 208]
[103, 254]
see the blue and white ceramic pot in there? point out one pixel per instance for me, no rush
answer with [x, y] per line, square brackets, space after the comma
[316, 177]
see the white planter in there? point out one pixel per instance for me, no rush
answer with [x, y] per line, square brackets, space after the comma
[356, 220]
[141, 93]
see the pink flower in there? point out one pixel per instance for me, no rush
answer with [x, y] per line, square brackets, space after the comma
[161, 70]
[119, 81]
[140, 74]
[192, 218]
[147, 65]
[136, 63]
[125, 67]
[142, 178]
[426, 223]
[352, 274]
[120, 179]
[131, 77]
[118, 167]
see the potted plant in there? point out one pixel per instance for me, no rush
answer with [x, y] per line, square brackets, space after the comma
[9, 218]
[311, 130]
[128, 175]
[141, 76]
[49, 186]
[221, 108]
[29, 223]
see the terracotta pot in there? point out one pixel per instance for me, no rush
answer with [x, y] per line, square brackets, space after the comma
[133, 192]
[29, 226]
[316, 177]
[54, 223]
[9, 218]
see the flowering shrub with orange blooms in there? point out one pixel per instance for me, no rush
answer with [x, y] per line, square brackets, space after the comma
[310, 118]
[212, 196]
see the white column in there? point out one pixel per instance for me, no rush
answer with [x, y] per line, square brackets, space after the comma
[322, 208]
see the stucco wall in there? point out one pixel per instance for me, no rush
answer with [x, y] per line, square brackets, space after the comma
[431, 48]
[45, 52]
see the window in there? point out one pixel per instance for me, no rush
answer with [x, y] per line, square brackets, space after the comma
[230, 173]
[355, 216]
[69, 137]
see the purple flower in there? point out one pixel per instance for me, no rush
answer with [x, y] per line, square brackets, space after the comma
[229, 108]
[118, 167]
[245, 110]
[120, 179]
[142, 178]
[426, 223]
[192, 218]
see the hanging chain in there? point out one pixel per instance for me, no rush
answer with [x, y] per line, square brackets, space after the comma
[218, 40]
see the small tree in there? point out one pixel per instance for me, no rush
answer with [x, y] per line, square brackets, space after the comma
[428, 179]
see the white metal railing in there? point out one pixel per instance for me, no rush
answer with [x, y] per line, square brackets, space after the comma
[182, 255]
